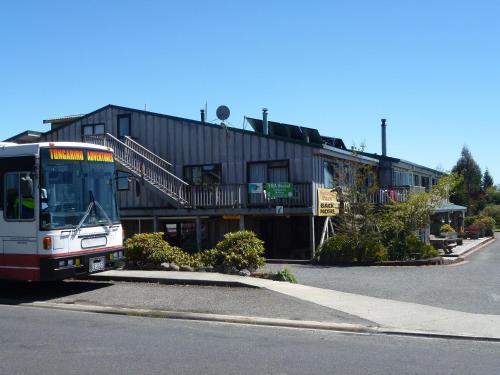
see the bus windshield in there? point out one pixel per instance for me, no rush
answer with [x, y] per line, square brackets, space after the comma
[77, 188]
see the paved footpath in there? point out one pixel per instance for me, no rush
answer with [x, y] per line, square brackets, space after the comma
[401, 316]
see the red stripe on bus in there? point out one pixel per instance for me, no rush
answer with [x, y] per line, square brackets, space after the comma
[33, 260]
[82, 252]
[19, 274]
[20, 260]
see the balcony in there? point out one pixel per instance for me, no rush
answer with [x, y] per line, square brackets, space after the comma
[238, 196]
[393, 194]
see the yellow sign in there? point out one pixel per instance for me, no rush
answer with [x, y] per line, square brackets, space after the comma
[72, 154]
[231, 217]
[328, 203]
[65, 154]
[106, 157]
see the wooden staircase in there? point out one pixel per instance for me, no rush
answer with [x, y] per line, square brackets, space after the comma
[146, 165]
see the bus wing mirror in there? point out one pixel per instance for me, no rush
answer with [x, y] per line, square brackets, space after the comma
[26, 187]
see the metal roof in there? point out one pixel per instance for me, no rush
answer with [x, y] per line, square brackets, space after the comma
[447, 206]
[28, 136]
[64, 119]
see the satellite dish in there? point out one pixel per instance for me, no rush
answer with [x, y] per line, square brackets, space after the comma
[223, 113]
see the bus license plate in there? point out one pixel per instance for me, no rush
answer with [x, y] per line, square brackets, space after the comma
[97, 264]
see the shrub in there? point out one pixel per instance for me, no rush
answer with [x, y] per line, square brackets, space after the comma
[469, 220]
[486, 223]
[446, 228]
[152, 248]
[473, 231]
[493, 211]
[285, 275]
[419, 249]
[140, 247]
[242, 250]
[429, 251]
[373, 251]
[337, 249]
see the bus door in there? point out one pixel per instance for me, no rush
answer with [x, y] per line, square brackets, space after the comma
[18, 230]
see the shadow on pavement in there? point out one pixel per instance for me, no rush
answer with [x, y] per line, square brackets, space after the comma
[17, 292]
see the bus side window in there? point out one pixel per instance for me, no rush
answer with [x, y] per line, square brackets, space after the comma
[19, 202]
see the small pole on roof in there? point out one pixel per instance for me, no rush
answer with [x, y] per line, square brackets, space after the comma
[265, 126]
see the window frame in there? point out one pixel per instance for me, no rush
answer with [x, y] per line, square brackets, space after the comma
[189, 180]
[5, 192]
[269, 166]
[93, 128]
[121, 175]
[118, 127]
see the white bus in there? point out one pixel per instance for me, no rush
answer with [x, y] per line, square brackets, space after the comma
[58, 211]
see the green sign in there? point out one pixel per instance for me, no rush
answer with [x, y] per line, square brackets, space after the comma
[279, 190]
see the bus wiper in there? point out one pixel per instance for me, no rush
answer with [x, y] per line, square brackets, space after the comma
[92, 205]
[87, 212]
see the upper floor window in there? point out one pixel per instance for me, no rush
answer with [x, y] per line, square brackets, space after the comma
[92, 129]
[123, 127]
[206, 174]
[401, 178]
[18, 197]
[340, 173]
[268, 171]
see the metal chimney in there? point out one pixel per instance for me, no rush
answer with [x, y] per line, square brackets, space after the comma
[265, 125]
[384, 139]
[202, 114]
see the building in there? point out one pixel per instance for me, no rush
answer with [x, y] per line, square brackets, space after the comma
[195, 180]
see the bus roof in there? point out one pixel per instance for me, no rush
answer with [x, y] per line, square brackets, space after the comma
[8, 149]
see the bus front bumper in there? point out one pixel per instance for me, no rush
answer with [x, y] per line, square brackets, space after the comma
[64, 267]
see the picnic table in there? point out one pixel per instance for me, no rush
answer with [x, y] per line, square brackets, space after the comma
[444, 243]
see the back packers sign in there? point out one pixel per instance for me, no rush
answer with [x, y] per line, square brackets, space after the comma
[328, 203]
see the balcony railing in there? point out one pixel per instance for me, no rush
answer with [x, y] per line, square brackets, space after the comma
[393, 194]
[237, 196]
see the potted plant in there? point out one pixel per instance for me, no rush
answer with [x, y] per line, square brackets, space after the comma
[445, 229]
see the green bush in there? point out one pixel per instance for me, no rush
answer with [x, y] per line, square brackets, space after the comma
[486, 223]
[242, 250]
[285, 275]
[141, 246]
[446, 228]
[373, 251]
[429, 251]
[337, 249]
[493, 211]
[469, 220]
[152, 248]
[418, 249]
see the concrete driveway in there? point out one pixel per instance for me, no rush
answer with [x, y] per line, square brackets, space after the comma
[472, 286]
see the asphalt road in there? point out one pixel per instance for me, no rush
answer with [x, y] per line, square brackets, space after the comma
[37, 341]
[473, 286]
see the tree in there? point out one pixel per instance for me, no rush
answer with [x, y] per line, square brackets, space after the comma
[401, 220]
[487, 180]
[469, 191]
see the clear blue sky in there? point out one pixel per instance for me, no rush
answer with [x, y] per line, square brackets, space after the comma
[432, 68]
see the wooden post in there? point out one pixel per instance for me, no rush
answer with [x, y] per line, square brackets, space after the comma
[312, 240]
[198, 233]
